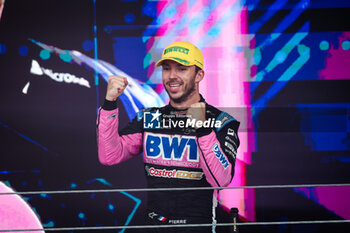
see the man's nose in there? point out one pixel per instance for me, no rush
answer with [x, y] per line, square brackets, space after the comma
[173, 74]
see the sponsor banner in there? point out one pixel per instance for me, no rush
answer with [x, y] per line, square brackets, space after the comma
[58, 77]
[180, 174]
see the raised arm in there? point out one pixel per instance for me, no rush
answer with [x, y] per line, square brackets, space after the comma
[217, 148]
[115, 147]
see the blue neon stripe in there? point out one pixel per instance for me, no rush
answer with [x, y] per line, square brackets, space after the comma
[287, 48]
[96, 55]
[101, 180]
[131, 215]
[275, 7]
[286, 22]
[287, 75]
[278, 85]
[24, 136]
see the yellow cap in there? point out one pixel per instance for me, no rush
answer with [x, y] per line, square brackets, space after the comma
[184, 53]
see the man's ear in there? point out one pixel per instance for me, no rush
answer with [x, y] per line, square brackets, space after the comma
[199, 76]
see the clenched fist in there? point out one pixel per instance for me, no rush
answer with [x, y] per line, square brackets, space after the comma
[116, 86]
[197, 112]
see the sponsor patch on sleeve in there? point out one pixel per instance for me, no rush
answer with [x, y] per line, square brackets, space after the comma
[114, 115]
[220, 155]
[225, 118]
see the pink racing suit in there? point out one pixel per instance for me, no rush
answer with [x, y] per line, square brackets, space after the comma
[175, 155]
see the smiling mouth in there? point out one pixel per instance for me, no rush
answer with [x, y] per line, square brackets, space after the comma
[174, 87]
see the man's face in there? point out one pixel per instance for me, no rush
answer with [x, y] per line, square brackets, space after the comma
[179, 81]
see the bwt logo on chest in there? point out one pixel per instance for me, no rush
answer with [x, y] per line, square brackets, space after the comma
[171, 147]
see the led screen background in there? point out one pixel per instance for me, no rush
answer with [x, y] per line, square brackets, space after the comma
[280, 67]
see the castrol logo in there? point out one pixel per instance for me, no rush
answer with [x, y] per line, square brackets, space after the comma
[180, 174]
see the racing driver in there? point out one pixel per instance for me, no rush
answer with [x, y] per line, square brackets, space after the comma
[187, 143]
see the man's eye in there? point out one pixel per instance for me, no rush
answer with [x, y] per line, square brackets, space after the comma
[182, 69]
[166, 68]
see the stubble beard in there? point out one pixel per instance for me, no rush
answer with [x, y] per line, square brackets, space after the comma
[191, 88]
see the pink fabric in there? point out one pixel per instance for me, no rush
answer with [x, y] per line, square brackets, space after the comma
[15, 213]
[112, 148]
[217, 168]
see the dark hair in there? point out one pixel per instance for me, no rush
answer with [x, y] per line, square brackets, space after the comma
[197, 69]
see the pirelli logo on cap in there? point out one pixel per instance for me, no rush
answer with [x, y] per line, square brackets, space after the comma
[176, 49]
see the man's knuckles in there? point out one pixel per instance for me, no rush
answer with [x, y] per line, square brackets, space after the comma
[198, 105]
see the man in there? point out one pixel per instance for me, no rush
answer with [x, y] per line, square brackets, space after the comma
[187, 143]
